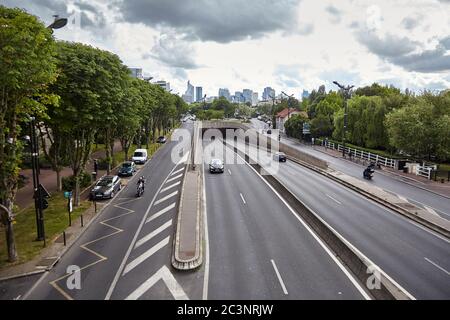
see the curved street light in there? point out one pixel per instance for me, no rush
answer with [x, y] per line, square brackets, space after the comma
[58, 23]
[346, 93]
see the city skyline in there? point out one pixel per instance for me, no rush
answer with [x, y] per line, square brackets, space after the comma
[278, 44]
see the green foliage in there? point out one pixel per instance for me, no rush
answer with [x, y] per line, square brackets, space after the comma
[222, 104]
[294, 126]
[68, 183]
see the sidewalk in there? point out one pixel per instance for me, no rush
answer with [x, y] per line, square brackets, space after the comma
[47, 178]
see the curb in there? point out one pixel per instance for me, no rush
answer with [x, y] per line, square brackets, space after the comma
[23, 275]
[412, 216]
[197, 260]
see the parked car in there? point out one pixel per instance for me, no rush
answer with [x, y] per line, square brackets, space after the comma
[127, 168]
[140, 156]
[279, 156]
[106, 188]
[216, 165]
[161, 139]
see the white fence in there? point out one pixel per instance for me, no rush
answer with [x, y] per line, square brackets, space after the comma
[425, 171]
[361, 154]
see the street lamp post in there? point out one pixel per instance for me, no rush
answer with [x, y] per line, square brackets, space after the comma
[346, 91]
[58, 23]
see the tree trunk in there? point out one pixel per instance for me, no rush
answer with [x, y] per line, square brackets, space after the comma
[77, 190]
[58, 180]
[6, 215]
[108, 150]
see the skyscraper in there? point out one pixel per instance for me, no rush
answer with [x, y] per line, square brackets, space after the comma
[136, 73]
[163, 84]
[188, 97]
[239, 97]
[268, 93]
[224, 92]
[198, 94]
[305, 95]
[255, 99]
[248, 95]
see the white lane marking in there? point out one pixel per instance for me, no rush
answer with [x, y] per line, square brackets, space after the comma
[162, 274]
[279, 277]
[171, 186]
[130, 248]
[153, 234]
[332, 198]
[173, 194]
[242, 197]
[133, 264]
[229, 171]
[178, 171]
[431, 210]
[437, 266]
[160, 213]
[322, 244]
[175, 178]
[403, 198]
[205, 215]
[18, 297]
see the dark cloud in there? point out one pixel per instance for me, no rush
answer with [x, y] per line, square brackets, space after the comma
[335, 13]
[406, 53]
[214, 20]
[410, 23]
[173, 51]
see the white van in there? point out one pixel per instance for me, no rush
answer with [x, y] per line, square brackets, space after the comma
[140, 156]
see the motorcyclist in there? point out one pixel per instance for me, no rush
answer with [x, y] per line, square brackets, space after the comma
[369, 171]
[141, 182]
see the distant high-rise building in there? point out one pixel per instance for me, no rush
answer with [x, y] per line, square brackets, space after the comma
[224, 92]
[198, 94]
[136, 73]
[239, 97]
[268, 93]
[248, 95]
[255, 99]
[188, 97]
[305, 95]
[163, 84]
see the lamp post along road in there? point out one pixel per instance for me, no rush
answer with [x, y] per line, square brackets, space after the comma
[346, 91]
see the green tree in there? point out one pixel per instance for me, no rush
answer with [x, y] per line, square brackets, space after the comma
[294, 126]
[27, 66]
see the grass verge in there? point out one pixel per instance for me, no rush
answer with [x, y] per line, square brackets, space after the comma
[56, 221]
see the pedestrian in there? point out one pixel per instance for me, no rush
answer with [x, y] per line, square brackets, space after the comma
[96, 166]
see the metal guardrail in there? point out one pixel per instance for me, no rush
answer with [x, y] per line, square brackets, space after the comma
[361, 154]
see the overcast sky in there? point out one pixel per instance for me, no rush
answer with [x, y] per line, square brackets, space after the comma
[290, 45]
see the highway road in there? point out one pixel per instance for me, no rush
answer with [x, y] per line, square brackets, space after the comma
[126, 252]
[416, 258]
[259, 249]
[428, 200]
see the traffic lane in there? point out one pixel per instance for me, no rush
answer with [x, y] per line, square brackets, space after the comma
[424, 198]
[250, 231]
[15, 289]
[109, 250]
[398, 246]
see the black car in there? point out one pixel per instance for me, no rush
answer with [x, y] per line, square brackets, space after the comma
[280, 156]
[106, 188]
[127, 168]
[161, 139]
[216, 165]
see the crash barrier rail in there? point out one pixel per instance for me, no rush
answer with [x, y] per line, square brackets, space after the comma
[361, 154]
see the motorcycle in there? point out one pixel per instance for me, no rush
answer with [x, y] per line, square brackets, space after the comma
[368, 173]
[140, 188]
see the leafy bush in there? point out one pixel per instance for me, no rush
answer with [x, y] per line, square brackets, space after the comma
[68, 183]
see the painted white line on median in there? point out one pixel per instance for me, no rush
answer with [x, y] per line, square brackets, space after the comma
[242, 197]
[162, 274]
[171, 186]
[133, 264]
[173, 194]
[279, 277]
[178, 171]
[332, 198]
[153, 234]
[322, 244]
[205, 217]
[403, 198]
[437, 266]
[431, 210]
[229, 171]
[174, 178]
[160, 213]
[130, 248]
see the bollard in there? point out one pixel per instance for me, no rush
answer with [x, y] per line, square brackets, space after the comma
[82, 223]
[64, 238]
